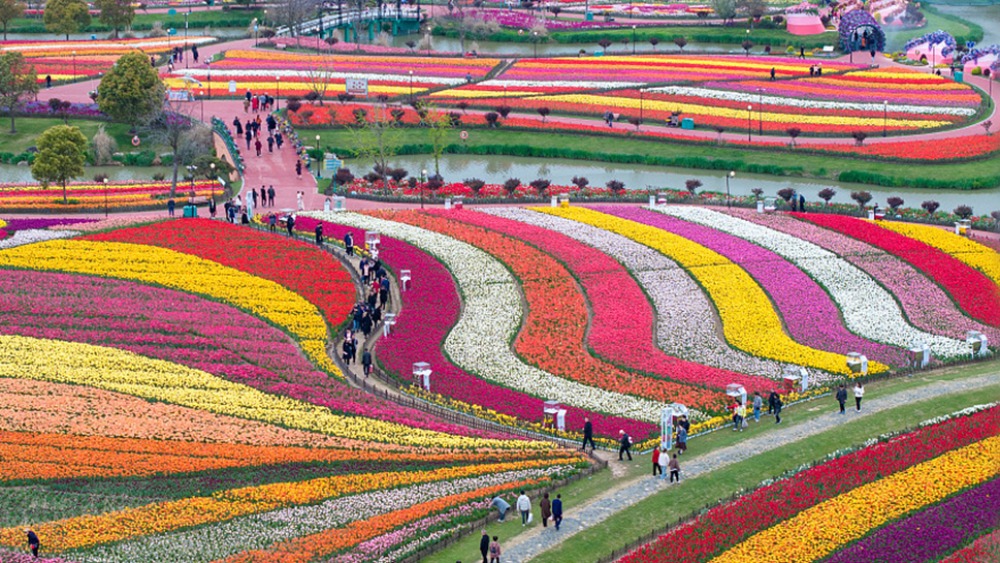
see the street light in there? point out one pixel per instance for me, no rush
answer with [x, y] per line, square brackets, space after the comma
[277, 94]
[760, 111]
[885, 116]
[319, 173]
[105, 197]
[732, 174]
[423, 182]
[214, 178]
[749, 125]
[201, 96]
[411, 85]
[535, 41]
[640, 104]
[74, 65]
[186, 24]
[633, 39]
[208, 65]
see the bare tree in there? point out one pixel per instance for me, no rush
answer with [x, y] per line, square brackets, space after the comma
[293, 13]
[377, 139]
[319, 77]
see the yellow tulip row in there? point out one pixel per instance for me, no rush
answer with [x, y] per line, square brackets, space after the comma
[158, 380]
[964, 250]
[716, 111]
[90, 530]
[184, 272]
[459, 93]
[818, 531]
[404, 61]
[749, 320]
[286, 87]
[703, 64]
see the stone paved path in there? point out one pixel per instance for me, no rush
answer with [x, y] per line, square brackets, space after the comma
[579, 518]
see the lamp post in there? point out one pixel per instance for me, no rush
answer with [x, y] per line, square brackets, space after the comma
[760, 111]
[105, 197]
[201, 96]
[319, 161]
[534, 39]
[74, 65]
[633, 39]
[885, 116]
[277, 93]
[423, 182]
[186, 24]
[411, 85]
[208, 66]
[640, 104]
[732, 174]
[749, 125]
[213, 178]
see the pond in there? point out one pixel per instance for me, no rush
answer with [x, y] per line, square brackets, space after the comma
[222, 33]
[496, 169]
[449, 44]
[22, 174]
[987, 17]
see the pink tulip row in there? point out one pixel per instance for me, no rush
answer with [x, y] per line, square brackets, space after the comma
[430, 309]
[622, 318]
[190, 331]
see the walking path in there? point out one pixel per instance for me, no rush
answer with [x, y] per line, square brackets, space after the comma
[581, 518]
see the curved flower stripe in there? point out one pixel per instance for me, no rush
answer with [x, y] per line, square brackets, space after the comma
[296, 265]
[621, 322]
[748, 319]
[925, 304]
[124, 372]
[979, 551]
[683, 312]
[491, 318]
[554, 332]
[931, 532]
[261, 530]
[973, 291]
[31, 236]
[810, 315]
[186, 273]
[90, 530]
[188, 330]
[726, 525]
[810, 535]
[430, 310]
[302, 550]
[869, 310]
[980, 257]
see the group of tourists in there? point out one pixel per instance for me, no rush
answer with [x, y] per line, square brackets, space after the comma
[548, 509]
[251, 133]
[859, 393]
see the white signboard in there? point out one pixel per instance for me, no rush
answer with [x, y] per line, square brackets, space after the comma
[179, 96]
[232, 86]
[357, 86]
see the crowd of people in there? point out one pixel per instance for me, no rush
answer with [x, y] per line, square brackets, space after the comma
[549, 509]
[367, 313]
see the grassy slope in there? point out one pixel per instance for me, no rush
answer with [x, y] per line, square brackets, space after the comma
[678, 502]
[29, 128]
[599, 148]
[144, 21]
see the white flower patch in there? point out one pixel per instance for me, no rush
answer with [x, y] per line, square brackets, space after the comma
[575, 84]
[29, 236]
[868, 309]
[746, 97]
[686, 323]
[491, 317]
[305, 75]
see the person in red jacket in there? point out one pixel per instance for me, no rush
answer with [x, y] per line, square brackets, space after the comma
[656, 461]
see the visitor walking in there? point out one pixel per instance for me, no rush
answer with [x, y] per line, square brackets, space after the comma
[263, 196]
[501, 505]
[772, 399]
[859, 393]
[366, 362]
[758, 402]
[772, 74]
[211, 208]
[171, 204]
[495, 550]
[349, 243]
[656, 461]
[524, 507]
[298, 168]
[257, 146]
[682, 438]
[290, 224]
[270, 144]
[777, 408]
[557, 511]
[238, 125]
[270, 196]
[298, 199]
[662, 457]
[588, 434]
[625, 445]
[842, 397]
[675, 469]
[253, 195]
[741, 416]
[33, 543]
[484, 545]
[273, 221]
[545, 506]
[319, 234]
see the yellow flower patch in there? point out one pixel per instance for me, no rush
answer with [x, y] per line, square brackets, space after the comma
[980, 257]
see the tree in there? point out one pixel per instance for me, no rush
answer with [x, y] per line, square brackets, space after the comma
[692, 186]
[963, 211]
[540, 186]
[996, 219]
[580, 182]
[719, 130]
[544, 112]
[319, 77]
[344, 176]
[617, 187]
[752, 9]
[116, 14]
[377, 139]
[131, 91]
[930, 206]
[724, 9]
[18, 81]
[10, 10]
[104, 147]
[894, 202]
[793, 132]
[492, 119]
[439, 126]
[786, 194]
[654, 41]
[859, 137]
[862, 198]
[504, 111]
[826, 194]
[604, 43]
[292, 13]
[61, 154]
[681, 42]
[464, 106]
[986, 124]
[747, 45]
[757, 192]
[63, 17]
[511, 185]
[475, 185]
[170, 128]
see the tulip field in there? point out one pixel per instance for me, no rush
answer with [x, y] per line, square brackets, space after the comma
[94, 196]
[176, 375]
[912, 497]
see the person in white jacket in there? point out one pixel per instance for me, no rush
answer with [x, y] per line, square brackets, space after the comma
[524, 507]
[859, 393]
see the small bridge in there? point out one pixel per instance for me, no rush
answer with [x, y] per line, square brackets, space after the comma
[404, 19]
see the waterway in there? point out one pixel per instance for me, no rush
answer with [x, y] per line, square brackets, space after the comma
[449, 44]
[497, 169]
[22, 174]
[987, 17]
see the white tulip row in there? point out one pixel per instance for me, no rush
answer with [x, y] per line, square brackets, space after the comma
[869, 310]
[203, 544]
[30, 236]
[686, 323]
[308, 75]
[491, 318]
[575, 84]
[746, 97]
